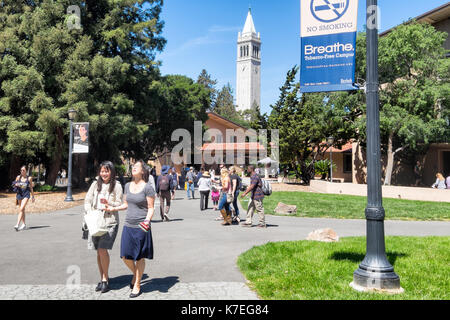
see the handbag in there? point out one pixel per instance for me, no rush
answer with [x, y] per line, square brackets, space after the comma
[230, 197]
[95, 221]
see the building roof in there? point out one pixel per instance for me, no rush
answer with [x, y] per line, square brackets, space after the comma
[217, 117]
[233, 146]
[249, 26]
[345, 148]
[433, 16]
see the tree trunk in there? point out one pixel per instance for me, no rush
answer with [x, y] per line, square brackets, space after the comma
[390, 162]
[14, 167]
[55, 165]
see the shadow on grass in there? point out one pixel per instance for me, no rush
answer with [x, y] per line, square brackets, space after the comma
[358, 257]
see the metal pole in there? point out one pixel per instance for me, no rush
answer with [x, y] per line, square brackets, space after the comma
[331, 164]
[69, 197]
[375, 271]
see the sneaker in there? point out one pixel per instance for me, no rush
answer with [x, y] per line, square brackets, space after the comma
[262, 226]
[22, 227]
[98, 287]
[16, 227]
[166, 217]
[248, 225]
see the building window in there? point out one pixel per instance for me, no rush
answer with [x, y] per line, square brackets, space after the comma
[347, 163]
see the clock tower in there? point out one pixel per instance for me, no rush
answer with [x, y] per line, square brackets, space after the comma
[248, 83]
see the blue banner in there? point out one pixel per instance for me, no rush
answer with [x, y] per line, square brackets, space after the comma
[328, 44]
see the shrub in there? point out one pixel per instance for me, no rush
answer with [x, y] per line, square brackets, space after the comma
[44, 188]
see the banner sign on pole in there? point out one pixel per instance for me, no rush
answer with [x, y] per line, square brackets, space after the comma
[328, 44]
[81, 137]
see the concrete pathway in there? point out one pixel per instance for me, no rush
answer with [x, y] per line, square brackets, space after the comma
[195, 257]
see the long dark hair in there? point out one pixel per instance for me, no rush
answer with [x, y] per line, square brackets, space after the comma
[109, 166]
[146, 169]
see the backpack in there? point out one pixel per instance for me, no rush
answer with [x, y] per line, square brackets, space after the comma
[164, 183]
[266, 187]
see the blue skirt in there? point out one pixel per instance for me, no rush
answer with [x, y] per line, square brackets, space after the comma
[136, 244]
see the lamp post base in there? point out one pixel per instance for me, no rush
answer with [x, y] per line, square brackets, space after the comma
[375, 290]
[383, 282]
[68, 199]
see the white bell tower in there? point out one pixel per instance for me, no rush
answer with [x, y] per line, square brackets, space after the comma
[248, 83]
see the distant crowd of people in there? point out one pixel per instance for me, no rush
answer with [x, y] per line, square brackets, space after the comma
[138, 196]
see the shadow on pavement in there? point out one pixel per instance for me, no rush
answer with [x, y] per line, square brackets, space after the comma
[357, 257]
[159, 284]
[171, 220]
[38, 227]
[121, 282]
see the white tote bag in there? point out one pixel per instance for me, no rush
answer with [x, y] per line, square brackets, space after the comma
[96, 223]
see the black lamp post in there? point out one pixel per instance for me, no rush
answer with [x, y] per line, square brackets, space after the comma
[330, 142]
[375, 271]
[72, 114]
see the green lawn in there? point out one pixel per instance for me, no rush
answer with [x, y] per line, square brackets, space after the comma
[318, 205]
[310, 270]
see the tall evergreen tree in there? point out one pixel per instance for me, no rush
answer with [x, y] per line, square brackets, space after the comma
[206, 80]
[103, 70]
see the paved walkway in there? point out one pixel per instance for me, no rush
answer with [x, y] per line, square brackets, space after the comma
[195, 257]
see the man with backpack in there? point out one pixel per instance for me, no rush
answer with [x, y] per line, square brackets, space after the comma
[256, 199]
[164, 187]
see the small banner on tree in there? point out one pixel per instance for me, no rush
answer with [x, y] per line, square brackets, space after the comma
[80, 137]
[328, 44]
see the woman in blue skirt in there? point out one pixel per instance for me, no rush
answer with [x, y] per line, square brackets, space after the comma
[137, 244]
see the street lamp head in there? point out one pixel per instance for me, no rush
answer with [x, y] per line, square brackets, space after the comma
[330, 140]
[72, 114]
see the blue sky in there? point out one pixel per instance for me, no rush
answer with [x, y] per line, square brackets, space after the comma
[202, 34]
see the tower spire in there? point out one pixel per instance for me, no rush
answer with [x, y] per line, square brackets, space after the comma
[249, 26]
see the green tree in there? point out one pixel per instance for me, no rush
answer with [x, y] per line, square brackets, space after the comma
[305, 121]
[206, 80]
[104, 71]
[255, 119]
[179, 102]
[415, 91]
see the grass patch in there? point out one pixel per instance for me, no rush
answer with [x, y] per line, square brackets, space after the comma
[310, 270]
[319, 205]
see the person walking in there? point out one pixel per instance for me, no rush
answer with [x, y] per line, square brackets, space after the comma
[164, 187]
[417, 175]
[204, 187]
[199, 175]
[102, 192]
[215, 194]
[190, 179]
[224, 206]
[236, 186]
[137, 243]
[23, 186]
[256, 199]
[174, 182]
[447, 181]
[440, 182]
